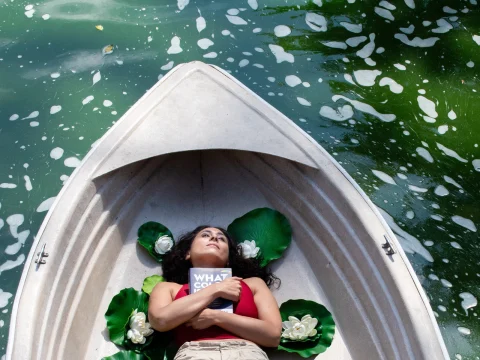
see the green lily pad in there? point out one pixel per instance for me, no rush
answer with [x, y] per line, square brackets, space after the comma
[150, 282]
[118, 315]
[149, 233]
[325, 327]
[162, 347]
[269, 228]
[126, 355]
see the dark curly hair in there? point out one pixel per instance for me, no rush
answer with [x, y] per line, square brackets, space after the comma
[175, 267]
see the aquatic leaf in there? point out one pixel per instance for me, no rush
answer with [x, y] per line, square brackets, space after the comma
[126, 355]
[96, 77]
[107, 50]
[325, 327]
[150, 282]
[119, 312]
[149, 233]
[99, 27]
[269, 228]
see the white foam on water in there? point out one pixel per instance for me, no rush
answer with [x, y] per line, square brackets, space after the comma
[34, 123]
[28, 183]
[402, 176]
[306, 84]
[7, 186]
[441, 190]
[466, 223]
[368, 49]
[442, 308]
[56, 153]
[282, 31]
[233, 11]
[469, 301]
[260, 66]
[422, 91]
[446, 283]
[366, 77]
[410, 3]
[417, 189]
[384, 177]
[456, 245]
[200, 22]
[97, 77]
[335, 45]
[342, 113]
[4, 297]
[449, 180]
[14, 117]
[107, 103]
[387, 5]
[14, 221]
[476, 38]
[210, 55]
[470, 64]
[409, 243]
[225, 32]
[400, 67]
[303, 101]
[442, 129]
[149, 39]
[271, 79]
[260, 50]
[386, 14]
[426, 23]
[349, 78]
[428, 243]
[463, 330]
[236, 20]
[32, 115]
[204, 43]
[9, 264]
[87, 99]
[292, 80]
[243, 63]
[46, 204]
[451, 153]
[55, 109]
[182, 4]
[319, 3]
[476, 164]
[46, 16]
[380, 50]
[280, 54]
[417, 42]
[433, 277]
[443, 27]
[256, 30]
[119, 62]
[360, 106]
[429, 119]
[29, 13]
[425, 154]
[167, 66]
[427, 106]
[410, 214]
[55, 75]
[72, 162]
[174, 46]
[408, 30]
[230, 59]
[449, 10]
[316, 22]
[395, 87]
[29, 7]
[370, 62]
[356, 40]
[253, 4]
[436, 217]
[354, 28]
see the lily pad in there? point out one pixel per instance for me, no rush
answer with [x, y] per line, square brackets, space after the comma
[118, 315]
[148, 233]
[325, 327]
[150, 282]
[126, 355]
[269, 228]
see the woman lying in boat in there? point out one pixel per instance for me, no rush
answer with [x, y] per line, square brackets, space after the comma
[203, 333]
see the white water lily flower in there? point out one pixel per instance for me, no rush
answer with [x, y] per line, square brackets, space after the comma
[139, 328]
[295, 329]
[163, 245]
[249, 249]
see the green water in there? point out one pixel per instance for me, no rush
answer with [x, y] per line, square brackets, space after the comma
[412, 146]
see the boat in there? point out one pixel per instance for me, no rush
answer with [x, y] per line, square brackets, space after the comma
[201, 148]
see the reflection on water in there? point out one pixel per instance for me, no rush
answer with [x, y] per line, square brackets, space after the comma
[389, 88]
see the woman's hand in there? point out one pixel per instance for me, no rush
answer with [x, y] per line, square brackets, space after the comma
[204, 319]
[229, 288]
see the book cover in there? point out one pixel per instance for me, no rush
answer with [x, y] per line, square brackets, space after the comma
[200, 278]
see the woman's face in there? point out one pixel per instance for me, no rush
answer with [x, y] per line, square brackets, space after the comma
[209, 249]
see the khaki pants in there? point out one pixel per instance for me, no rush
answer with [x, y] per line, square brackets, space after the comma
[220, 350]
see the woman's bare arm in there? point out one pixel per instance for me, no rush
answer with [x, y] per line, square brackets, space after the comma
[165, 314]
[264, 331]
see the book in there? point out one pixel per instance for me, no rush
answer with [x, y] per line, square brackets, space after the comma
[200, 278]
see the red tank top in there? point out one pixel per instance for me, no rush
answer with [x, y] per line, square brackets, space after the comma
[245, 307]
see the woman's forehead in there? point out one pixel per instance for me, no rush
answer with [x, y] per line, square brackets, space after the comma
[213, 230]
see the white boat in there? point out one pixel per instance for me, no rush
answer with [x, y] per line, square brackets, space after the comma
[201, 148]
